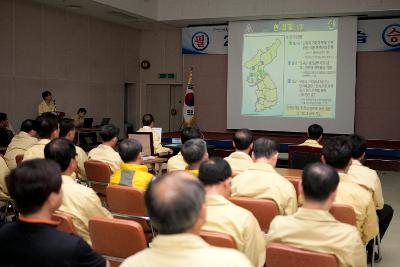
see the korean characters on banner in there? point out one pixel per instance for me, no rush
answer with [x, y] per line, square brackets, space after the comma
[205, 40]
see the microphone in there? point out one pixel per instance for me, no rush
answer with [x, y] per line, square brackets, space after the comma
[55, 107]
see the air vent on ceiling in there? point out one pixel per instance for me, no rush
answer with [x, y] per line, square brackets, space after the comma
[74, 6]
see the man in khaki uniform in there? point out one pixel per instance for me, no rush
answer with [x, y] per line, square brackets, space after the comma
[105, 152]
[21, 142]
[47, 130]
[79, 117]
[312, 227]
[175, 203]
[79, 201]
[68, 131]
[337, 153]
[315, 132]
[262, 181]
[225, 217]
[369, 178]
[194, 152]
[148, 124]
[47, 105]
[177, 163]
[240, 160]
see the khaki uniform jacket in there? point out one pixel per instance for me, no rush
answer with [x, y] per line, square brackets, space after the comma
[133, 175]
[43, 107]
[81, 203]
[81, 158]
[317, 230]
[78, 121]
[311, 142]
[176, 163]
[368, 178]
[262, 181]
[158, 148]
[239, 161]
[4, 171]
[360, 199]
[107, 155]
[19, 144]
[225, 217]
[36, 151]
[183, 250]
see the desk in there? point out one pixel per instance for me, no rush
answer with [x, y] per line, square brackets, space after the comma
[156, 164]
[80, 131]
[290, 173]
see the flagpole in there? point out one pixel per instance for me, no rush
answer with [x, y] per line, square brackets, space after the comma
[188, 109]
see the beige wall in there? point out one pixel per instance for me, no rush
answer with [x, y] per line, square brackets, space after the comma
[81, 60]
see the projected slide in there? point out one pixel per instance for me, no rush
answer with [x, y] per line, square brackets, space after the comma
[289, 69]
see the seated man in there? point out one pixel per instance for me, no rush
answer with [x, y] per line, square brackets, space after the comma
[21, 142]
[262, 181]
[6, 134]
[148, 124]
[47, 105]
[368, 178]
[240, 160]
[79, 201]
[337, 153]
[33, 240]
[314, 136]
[194, 152]
[79, 118]
[225, 217]
[105, 152]
[175, 203]
[133, 172]
[47, 130]
[68, 131]
[177, 163]
[312, 227]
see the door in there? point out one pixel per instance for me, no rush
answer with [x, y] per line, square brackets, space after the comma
[164, 102]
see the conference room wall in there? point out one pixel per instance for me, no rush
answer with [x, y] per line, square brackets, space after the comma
[83, 61]
[377, 94]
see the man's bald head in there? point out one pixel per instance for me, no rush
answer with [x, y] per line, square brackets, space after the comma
[174, 202]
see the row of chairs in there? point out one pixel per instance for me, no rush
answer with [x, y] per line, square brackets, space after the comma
[118, 239]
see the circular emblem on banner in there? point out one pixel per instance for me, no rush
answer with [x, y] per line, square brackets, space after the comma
[391, 35]
[189, 99]
[200, 41]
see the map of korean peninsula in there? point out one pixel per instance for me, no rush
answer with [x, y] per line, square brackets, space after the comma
[257, 76]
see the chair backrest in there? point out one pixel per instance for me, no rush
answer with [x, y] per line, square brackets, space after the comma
[263, 209]
[146, 140]
[98, 174]
[126, 200]
[280, 255]
[300, 156]
[116, 239]
[19, 158]
[218, 239]
[65, 223]
[296, 183]
[343, 213]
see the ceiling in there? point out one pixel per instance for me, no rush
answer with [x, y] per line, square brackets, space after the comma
[112, 14]
[107, 13]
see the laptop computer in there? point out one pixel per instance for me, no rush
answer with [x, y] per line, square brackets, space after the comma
[87, 123]
[104, 121]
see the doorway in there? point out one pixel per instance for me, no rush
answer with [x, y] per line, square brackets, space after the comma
[164, 102]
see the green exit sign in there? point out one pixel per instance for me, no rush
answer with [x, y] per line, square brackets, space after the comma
[167, 75]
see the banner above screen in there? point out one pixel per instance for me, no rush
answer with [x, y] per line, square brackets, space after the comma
[372, 35]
